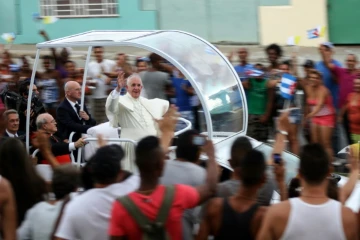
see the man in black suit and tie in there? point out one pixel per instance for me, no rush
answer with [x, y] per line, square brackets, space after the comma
[12, 123]
[68, 114]
[61, 149]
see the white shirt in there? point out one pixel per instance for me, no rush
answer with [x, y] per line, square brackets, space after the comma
[73, 106]
[10, 134]
[39, 221]
[314, 222]
[87, 217]
[95, 72]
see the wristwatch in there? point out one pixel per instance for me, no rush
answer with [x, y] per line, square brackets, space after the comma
[282, 132]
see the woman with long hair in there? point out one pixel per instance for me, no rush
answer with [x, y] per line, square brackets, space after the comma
[15, 165]
[322, 112]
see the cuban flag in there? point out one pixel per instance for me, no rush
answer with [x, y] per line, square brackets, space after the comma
[313, 33]
[288, 86]
[253, 73]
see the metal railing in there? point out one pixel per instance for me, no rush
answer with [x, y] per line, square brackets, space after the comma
[118, 140]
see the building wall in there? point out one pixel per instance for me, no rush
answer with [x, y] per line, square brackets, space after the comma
[131, 18]
[278, 23]
[215, 20]
[7, 16]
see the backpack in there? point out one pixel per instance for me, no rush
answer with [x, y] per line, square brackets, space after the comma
[152, 230]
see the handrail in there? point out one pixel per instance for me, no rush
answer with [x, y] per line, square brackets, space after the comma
[93, 139]
[71, 153]
[188, 127]
[35, 152]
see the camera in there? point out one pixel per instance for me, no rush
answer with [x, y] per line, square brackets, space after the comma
[199, 141]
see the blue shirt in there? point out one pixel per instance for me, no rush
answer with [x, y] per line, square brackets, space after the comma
[240, 69]
[182, 100]
[329, 80]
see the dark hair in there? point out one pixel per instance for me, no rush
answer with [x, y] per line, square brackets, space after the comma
[155, 58]
[140, 60]
[252, 168]
[294, 189]
[287, 62]
[185, 147]
[314, 163]
[309, 63]
[315, 72]
[240, 147]
[104, 166]
[65, 180]
[47, 57]
[98, 47]
[24, 88]
[16, 166]
[147, 154]
[276, 48]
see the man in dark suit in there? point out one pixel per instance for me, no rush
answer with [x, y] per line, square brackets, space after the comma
[12, 123]
[61, 149]
[68, 114]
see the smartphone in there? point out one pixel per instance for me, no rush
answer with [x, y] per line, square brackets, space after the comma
[277, 158]
[199, 140]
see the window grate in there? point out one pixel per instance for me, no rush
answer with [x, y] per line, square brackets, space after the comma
[79, 8]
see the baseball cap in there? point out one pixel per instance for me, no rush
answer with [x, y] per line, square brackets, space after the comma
[309, 63]
[328, 44]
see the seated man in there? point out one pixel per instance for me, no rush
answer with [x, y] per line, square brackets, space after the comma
[11, 118]
[68, 114]
[61, 149]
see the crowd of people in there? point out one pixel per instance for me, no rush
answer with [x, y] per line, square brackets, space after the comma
[123, 193]
[328, 106]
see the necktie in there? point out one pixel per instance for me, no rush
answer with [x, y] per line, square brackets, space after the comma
[77, 106]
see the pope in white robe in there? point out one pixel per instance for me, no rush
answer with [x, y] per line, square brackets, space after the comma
[135, 115]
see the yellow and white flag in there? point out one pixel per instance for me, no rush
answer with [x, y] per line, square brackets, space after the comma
[8, 37]
[49, 19]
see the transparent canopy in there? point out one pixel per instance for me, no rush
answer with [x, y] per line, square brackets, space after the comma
[210, 73]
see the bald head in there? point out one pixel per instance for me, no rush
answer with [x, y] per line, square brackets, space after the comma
[71, 84]
[72, 91]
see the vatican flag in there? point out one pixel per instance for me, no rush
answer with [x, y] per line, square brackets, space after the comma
[49, 20]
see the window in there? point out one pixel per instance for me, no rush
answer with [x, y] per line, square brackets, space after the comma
[79, 8]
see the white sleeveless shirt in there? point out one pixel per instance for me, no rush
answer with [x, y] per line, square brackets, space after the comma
[314, 222]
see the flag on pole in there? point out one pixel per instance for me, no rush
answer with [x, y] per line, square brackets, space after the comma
[8, 37]
[293, 40]
[321, 31]
[49, 19]
[313, 33]
[253, 73]
[288, 86]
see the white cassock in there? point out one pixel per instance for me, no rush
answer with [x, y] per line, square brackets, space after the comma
[136, 117]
